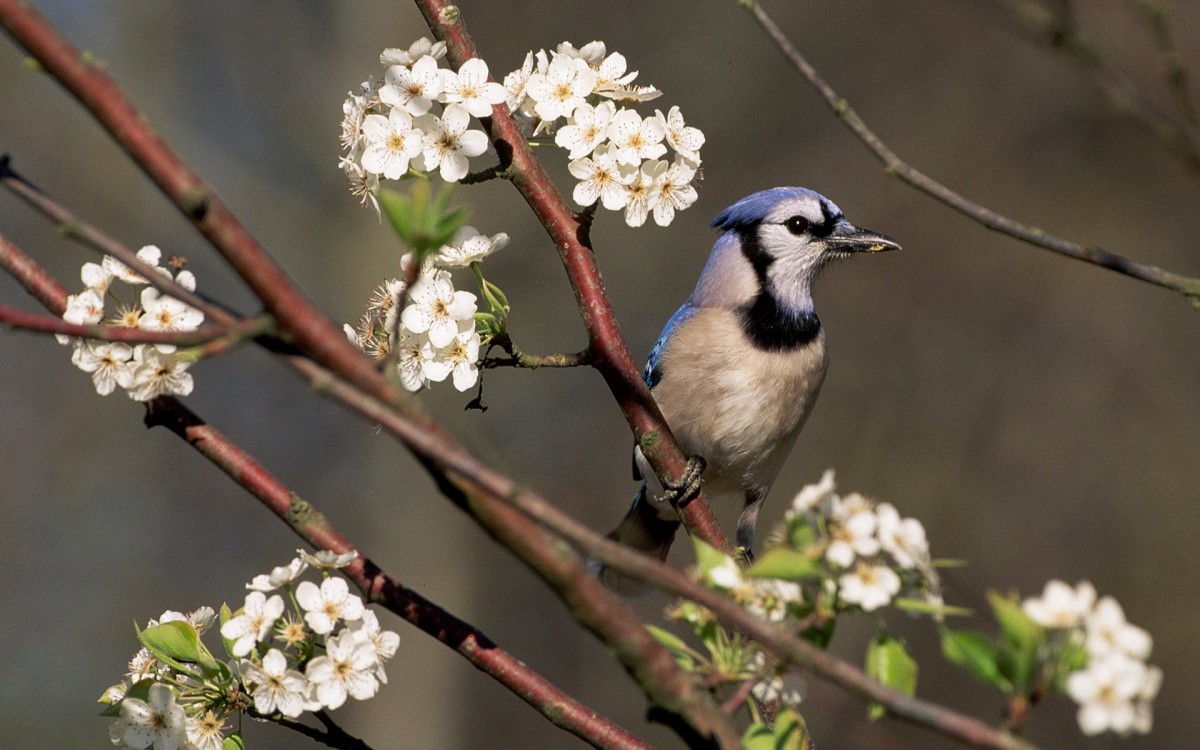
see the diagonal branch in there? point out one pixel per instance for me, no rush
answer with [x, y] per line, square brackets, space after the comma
[609, 352]
[207, 334]
[312, 526]
[85, 78]
[894, 166]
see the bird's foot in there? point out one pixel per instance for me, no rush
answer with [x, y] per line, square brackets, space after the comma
[680, 493]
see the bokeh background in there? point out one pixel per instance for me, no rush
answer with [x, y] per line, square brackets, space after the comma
[1039, 415]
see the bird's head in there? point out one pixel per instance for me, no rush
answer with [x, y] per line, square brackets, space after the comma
[787, 235]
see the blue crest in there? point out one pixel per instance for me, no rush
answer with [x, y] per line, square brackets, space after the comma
[750, 210]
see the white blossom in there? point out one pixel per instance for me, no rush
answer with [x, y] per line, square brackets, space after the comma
[1109, 632]
[346, 669]
[280, 576]
[471, 88]
[853, 524]
[563, 87]
[673, 191]
[601, 178]
[421, 48]
[868, 586]
[325, 559]
[1061, 606]
[587, 128]
[385, 642]
[254, 624]
[1106, 692]
[412, 88]
[107, 361]
[205, 732]
[635, 139]
[391, 143]
[685, 140]
[447, 143]
[469, 246]
[812, 496]
[155, 722]
[157, 373]
[904, 539]
[164, 313]
[274, 686]
[328, 604]
[150, 255]
[436, 308]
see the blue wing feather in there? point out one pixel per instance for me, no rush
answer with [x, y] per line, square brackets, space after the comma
[654, 366]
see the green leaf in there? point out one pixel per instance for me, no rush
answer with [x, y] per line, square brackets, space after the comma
[787, 564]
[789, 733]
[172, 642]
[707, 556]
[1020, 640]
[922, 607]
[801, 535]
[139, 690]
[423, 222]
[673, 643]
[889, 662]
[234, 742]
[976, 652]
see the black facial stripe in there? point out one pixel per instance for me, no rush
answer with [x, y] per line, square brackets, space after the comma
[764, 322]
[829, 220]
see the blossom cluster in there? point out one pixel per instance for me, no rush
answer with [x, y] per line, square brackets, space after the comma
[143, 371]
[309, 648]
[431, 328]
[1116, 689]
[870, 552]
[616, 154]
[418, 118]
[833, 554]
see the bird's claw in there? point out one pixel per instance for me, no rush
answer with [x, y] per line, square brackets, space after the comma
[680, 493]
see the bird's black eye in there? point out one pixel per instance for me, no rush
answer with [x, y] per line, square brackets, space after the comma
[796, 224]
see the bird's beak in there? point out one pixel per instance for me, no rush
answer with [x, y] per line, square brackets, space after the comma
[848, 238]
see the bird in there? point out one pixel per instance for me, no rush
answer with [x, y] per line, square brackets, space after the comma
[738, 367]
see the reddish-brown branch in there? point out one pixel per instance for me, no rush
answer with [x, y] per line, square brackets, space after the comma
[609, 352]
[311, 525]
[20, 319]
[84, 77]
[481, 492]
[44, 287]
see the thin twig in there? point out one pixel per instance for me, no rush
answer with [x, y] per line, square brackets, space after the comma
[894, 166]
[1158, 17]
[1055, 28]
[73, 227]
[207, 334]
[333, 736]
[518, 358]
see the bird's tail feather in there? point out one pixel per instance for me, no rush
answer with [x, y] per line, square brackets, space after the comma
[644, 530]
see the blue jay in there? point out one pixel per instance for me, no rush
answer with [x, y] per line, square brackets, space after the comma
[737, 369]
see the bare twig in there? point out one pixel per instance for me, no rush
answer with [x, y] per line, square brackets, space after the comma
[1055, 28]
[518, 358]
[204, 335]
[75, 228]
[1158, 17]
[333, 736]
[894, 166]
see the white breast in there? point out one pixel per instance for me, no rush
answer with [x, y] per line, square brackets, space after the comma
[737, 406]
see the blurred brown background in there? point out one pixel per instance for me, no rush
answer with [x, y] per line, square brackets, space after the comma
[1039, 415]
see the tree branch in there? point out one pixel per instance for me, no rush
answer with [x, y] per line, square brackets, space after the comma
[207, 334]
[84, 77]
[333, 736]
[1190, 287]
[609, 352]
[312, 526]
